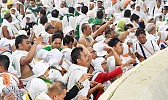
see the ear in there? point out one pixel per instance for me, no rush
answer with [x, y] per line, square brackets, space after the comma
[78, 61]
[20, 45]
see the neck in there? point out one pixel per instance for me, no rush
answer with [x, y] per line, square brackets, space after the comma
[50, 95]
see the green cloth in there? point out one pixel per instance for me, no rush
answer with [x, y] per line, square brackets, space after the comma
[90, 20]
[46, 80]
[49, 48]
[61, 17]
[95, 21]
[1, 19]
[77, 13]
[120, 25]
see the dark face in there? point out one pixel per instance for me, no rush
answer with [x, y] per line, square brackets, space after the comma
[93, 52]
[119, 48]
[32, 4]
[10, 19]
[104, 66]
[99, 4]
[71, 33]
[70, 45]
[57, 43]
[88, 30]
[25, 45]
[165, 11]
[96, 28]
[13, 12]
[83, 60]
[142, 38]
[138, 8]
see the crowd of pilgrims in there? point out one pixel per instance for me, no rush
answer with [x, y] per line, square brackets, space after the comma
[75, 49]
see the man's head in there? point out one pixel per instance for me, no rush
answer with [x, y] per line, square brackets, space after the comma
[32, 3]
[117, 45]
[134, 17]
[93, 52]
[110, 33]
[95, 27]
[56, 41]
[63, 4]
[4, 63]
[8, 17]
[84, 9]
[43, 20]
[79, 57]
[22, 43]
[165, 10]
[55, 13]
[71, 10]
[49, 28]
[127, 13]
[57, 91]
[150, 28]
[141, 35]
[99, 3]
[68, 41]
[42, 12]
[100, 14]
[158, 3]
[86, 29]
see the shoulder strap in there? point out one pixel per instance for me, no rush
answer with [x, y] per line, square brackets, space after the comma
[142, 51]
[67, 17]
[153, 10]
[153, 46]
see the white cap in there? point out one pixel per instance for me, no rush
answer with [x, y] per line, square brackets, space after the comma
[77, 5]
[40, 68]
[67, 30]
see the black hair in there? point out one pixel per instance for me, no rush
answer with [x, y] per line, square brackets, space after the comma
[75, 54]
[43, 12]
[100, 14]
[140, 31]
[71, 10]
[84, 9]
[67, 39]
[7, 16]
[56, 35]
[60, 33]
[108, 31]
[113, 42]
[19, 39]
[134, 17]
[127, 13]
[43, 20]
[4, 61]
[94, 26]
[127, 26]
[55, 13]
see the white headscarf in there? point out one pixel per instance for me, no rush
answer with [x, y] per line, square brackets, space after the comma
[97, 65]
[140, 13]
